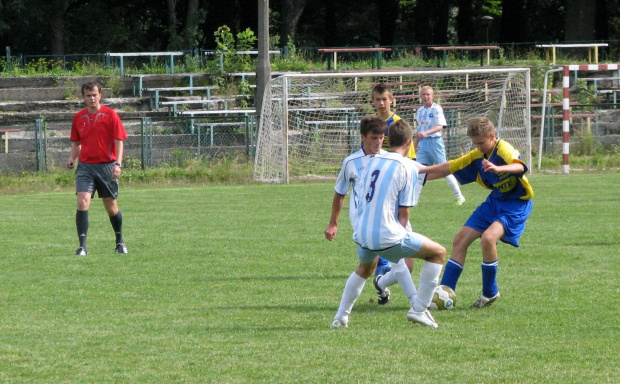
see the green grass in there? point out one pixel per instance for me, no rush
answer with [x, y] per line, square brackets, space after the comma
[236, 284]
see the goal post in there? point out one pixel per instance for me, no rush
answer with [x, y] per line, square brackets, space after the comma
[310, 122]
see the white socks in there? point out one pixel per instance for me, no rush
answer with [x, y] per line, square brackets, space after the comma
[450, 179]
[454, 185]
[429, 278]
[352, 290]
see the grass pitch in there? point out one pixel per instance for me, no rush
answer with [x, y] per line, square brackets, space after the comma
[238, 285]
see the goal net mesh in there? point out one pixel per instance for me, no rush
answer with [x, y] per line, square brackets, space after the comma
[310, 122]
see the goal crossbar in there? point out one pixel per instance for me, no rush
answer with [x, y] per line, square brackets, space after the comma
[310, 122]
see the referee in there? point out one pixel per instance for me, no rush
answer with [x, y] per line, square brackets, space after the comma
[97, 135]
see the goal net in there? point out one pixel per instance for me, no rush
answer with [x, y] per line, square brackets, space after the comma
[310, 122]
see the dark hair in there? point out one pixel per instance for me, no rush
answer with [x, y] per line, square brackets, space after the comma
[91, 85]
[400, 132]
[379, 89]
[372, 123]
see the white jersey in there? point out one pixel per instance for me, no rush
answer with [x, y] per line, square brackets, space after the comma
[430, 117]
[349, 178]
[388, 183]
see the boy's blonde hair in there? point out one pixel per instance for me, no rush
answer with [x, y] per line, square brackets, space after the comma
[399, 133]
[381, 88]
[480, 126]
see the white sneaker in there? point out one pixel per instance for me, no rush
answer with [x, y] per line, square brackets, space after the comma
[484, 301]
[424, 318]
[339, 324]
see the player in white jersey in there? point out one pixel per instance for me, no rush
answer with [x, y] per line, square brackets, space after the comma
[383, 210]
[429, 143]
[351, 172]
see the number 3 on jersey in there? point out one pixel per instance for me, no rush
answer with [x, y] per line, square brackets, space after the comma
[373, 180]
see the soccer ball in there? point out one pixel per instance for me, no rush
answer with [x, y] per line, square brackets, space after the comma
[443, 298]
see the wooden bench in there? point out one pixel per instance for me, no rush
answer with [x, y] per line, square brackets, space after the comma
[121, 55]
[224, 112]
[4, 134]
[445, 50]
[137, 80]
[243, 75]
[592, 50]
[173, 105]
[378, 54]
[154, 92]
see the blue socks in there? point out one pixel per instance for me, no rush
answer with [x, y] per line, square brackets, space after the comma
[451, 274]
[453, 271]
[489, 278]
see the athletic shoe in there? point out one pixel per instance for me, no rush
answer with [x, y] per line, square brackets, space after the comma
[383, 296]
[81, 251]
[424, 318]
[382, 269]
[121, 248]
[339, 324]
[460, 201]
[484, 301]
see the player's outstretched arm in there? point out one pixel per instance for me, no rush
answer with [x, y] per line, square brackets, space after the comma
[435, 171]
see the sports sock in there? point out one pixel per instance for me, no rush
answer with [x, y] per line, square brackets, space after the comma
[117, 224]
[489, 278]
[418, 187]
[352, 290]
[403, 276]
[454, 185]
[81, 222]
[451, 274]
[388, 279]
[429, 277]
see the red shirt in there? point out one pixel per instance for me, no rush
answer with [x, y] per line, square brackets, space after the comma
[96, 133]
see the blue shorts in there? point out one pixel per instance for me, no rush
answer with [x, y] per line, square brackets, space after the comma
[408, 246]
[511, 213]
[431, 150]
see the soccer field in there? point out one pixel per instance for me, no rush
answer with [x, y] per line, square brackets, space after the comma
[237, 284]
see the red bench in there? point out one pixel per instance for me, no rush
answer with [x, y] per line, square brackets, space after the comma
[335, 51]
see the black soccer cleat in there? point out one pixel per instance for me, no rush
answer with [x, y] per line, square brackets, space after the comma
[81, 251]
[383, 296]
[121, 248]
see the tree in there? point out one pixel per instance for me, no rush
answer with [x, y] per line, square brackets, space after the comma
[580, 17]
[291, 11]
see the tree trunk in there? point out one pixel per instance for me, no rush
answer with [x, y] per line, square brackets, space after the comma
[431, 26]
[387, 21]
[579, 24]
[291, 13]
[57, 26]
[513, 13]
[191, 23]
[172, 22]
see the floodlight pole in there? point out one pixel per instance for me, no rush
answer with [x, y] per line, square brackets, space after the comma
[263, 67]
[486, 22]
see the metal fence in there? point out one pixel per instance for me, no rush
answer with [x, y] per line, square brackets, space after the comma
[44, 145]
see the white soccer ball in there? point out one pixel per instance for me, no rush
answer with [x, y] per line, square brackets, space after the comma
[443, 298]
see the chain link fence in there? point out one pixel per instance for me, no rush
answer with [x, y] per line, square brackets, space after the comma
[44, 145]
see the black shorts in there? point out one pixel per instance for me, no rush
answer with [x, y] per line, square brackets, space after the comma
[96, 177]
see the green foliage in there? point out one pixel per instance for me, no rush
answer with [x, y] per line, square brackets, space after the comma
[227, 47]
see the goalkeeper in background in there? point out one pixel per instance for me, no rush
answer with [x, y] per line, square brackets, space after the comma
[497, 166]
